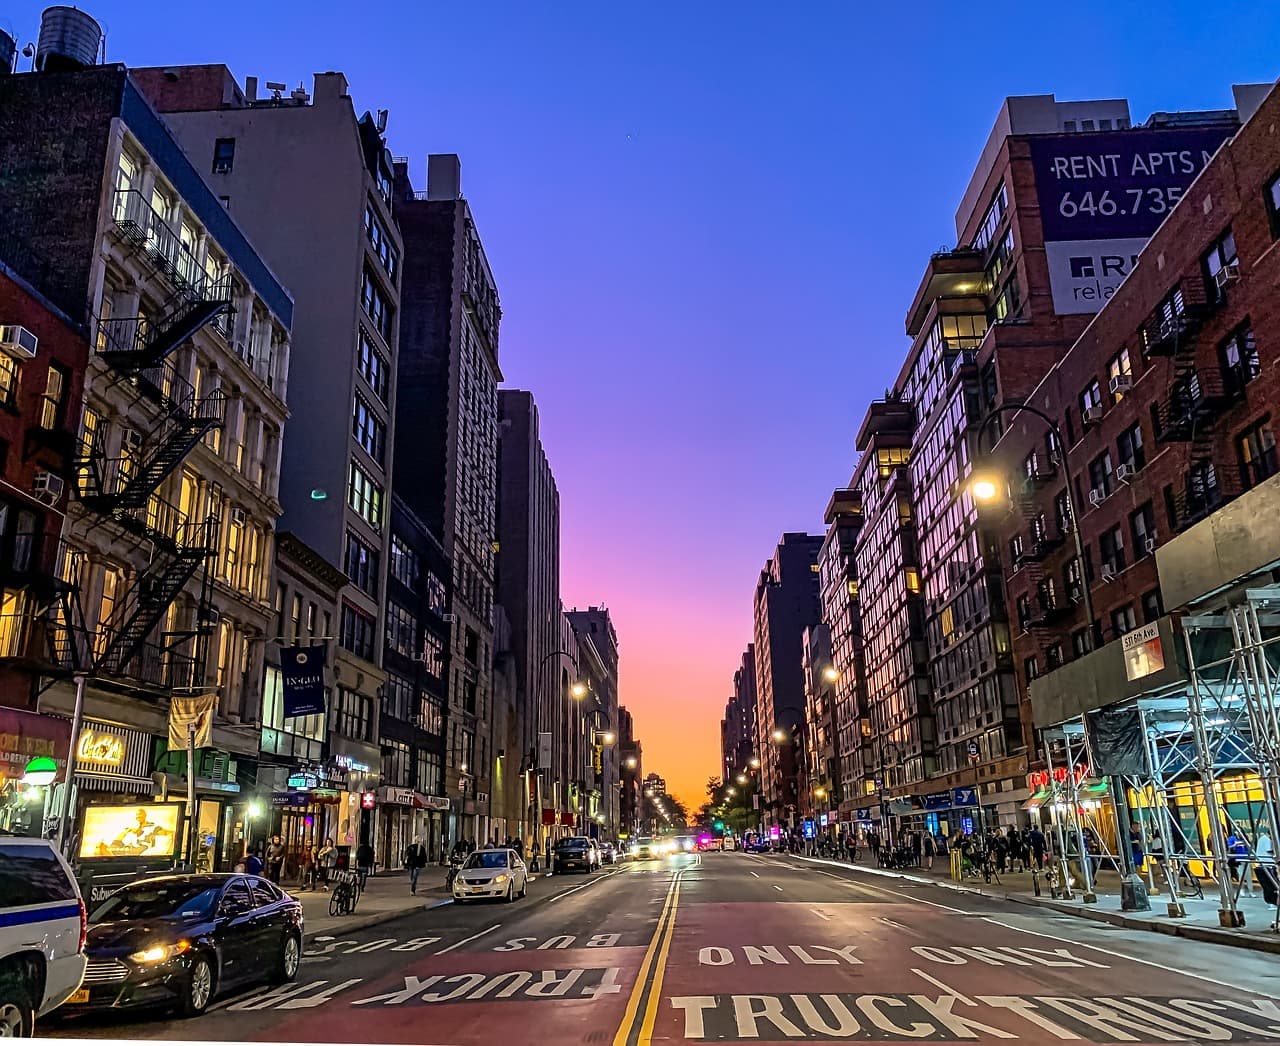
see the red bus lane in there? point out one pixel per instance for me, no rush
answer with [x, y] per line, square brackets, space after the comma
[901, 972]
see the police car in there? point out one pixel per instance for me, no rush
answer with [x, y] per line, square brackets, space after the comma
[42, 932]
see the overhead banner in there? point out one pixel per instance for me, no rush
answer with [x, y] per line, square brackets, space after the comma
[1101, 197]
[544, 750]
[302, 676]
[191, 715]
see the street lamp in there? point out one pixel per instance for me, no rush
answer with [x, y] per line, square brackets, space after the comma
[608, 737]
[830, 674]
[632, 762]
[40, 771]
[983, 489]
[742, 779]
[755, 762]
[819, 792]
[779, 735]
[731, 790]
[578, 690]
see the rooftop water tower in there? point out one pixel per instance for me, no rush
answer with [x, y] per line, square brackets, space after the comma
[69, 40]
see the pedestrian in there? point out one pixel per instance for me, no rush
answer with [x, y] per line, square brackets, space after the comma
[275, 859]
[873, 844]
[415, 859]
[364, 861]
[517, 844]
[1036, 841]
[1135, 847]
[928, 850]
[1265, 852]
[253, 863]
[326, 862]
[307, 868]
[1237, 847]
[917, 849]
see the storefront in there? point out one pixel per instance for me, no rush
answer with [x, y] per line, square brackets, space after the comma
[112, 767]
[222, 803]
[405, 815]
[24, 737]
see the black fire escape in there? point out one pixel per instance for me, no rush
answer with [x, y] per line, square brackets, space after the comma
[123, 489]
[1195, 400]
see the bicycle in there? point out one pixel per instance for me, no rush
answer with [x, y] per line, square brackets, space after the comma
[346, 892]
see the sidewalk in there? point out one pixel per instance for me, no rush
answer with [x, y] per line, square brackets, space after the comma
[1200, 923]
[385, 897]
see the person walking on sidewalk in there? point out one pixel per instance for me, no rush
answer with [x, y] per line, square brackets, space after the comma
[1035, 839]
[326, 861]
[364, 861]
[307, 869]
[415, 859]
[1265, 852]
[873, 844]
[275, 859]
[928, 847]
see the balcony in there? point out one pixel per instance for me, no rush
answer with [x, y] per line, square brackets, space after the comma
[890, 417]
[1192, 405]
[1172, 327]
[1202, 494]
[951, 272]
[1037, 551]
[1046, 615]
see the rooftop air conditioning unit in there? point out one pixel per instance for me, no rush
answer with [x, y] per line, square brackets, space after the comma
[1123, 472]
[1120, 383]
[1227, 275]
[1092, 415]
[47, 487]
[18, 342]
[1097, 496]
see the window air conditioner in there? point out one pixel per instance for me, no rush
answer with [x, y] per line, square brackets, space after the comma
[1108, 571]
[1120, 383]
[1227, 275]
[47, 487]
[1097, 496]
[1092, 415]
[1123, 472]
[18, 342]
[1150, 543]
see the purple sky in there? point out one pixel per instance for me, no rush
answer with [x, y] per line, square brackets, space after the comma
[706, 221]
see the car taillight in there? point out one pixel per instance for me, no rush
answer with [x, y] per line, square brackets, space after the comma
[84, 925]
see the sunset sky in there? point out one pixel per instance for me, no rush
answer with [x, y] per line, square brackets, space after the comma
[706, 221]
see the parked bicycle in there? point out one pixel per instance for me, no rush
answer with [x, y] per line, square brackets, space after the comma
[346, 892]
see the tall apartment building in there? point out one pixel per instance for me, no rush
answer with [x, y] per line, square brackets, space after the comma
[630, 774]
[1061, 201]
[169, 539]
[820, 786]
[838, 580]
[1166, 408]
[528, 582]
[786, 602]
[738, 732]
[597, 643]
[276, 163]
[447, 411]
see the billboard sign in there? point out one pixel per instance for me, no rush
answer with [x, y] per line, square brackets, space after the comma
[1101, 197]
[136, 830]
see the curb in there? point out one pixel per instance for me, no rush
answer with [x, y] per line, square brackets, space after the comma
[1191, 932]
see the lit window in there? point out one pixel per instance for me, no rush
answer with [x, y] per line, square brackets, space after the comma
[912, 576]
[8, 380]
[364, 496]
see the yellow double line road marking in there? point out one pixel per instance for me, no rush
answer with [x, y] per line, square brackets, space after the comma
[648, 986]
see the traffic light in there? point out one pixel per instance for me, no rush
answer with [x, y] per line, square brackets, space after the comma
[718, 825]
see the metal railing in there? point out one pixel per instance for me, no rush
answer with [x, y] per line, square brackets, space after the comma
[140, 223]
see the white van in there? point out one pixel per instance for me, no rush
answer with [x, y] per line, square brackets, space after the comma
[42, 931]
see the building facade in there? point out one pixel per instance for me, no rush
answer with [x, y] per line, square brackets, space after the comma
[447, 410]
[630, 775]
[597, 719]
[786, 603]
[528, 585]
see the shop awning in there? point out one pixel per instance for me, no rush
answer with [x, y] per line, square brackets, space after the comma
[115, 783]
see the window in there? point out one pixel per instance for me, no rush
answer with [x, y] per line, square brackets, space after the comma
[362, 565]
[432, 712]
[1120, 366]
[1048, 593]
[396, 763]
[1053, 656]
[1100, 472]
[54, 401]
[992, 220]
[224, 155]
[364, 496]
[890, 458]
[1111, 549]
[311, 620]
[376, 306]
[380, 241]
[372, 366]
[1152, 606]
[1062, 512]
[433, 655]
[297, 617]
[1257, 448]
[24, 542]
[1071, 579]
[1217, 264]
[402, 630]
[1090, 398]
[1129, 446]
[1123, 620]
[1142, 525]
[1238, 357]
[1080, 644]
[436, 600]
[1031, 668]
[369, 430]
[1202, 486]
[912, 577]
[8, 381]
[384, 184]
[398, 696]
[1271, 194]
[357, 632]
[353, 714]
[404, 562]
[281, 590]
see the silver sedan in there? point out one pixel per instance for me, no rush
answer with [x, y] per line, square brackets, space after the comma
[489, 874]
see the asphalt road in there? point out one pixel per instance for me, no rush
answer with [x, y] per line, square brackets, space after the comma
[740, 948]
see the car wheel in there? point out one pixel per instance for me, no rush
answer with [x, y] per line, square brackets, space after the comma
[198, 991]
[524, 888]
[290, 957]
[511, 893]
[17, 1011]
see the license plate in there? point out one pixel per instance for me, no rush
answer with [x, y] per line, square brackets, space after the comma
[475, 889]
[80, 996]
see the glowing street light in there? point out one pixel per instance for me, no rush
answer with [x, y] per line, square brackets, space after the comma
[742, 779]
[779, 735]
[819, 792]
[608, 737]
[632, 762]
[830, 674]
[983, 489]
[40, 771]
[649, 792]
[578, 690]
[731, 790]
[755, 762]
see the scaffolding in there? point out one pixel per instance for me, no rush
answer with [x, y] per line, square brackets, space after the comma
[1222, 721]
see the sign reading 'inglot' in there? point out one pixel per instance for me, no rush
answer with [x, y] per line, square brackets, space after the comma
[1101, 197]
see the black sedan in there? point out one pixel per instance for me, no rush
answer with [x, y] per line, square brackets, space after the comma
[178, 940]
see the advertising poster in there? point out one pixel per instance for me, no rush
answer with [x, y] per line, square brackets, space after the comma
[1101, 197]
[137, 830]
[302, 676]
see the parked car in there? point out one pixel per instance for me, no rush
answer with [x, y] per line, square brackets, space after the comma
[42, 932]
[491, 873]
[179, 940]
[577, 852]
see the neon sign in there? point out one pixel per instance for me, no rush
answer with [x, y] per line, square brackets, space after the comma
[97, 746]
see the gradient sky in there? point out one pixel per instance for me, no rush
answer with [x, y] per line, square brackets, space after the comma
[706, 220]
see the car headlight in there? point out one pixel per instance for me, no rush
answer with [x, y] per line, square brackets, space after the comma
[500, 878]
[159, 953]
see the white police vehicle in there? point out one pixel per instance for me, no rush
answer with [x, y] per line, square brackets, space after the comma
[42, 932]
